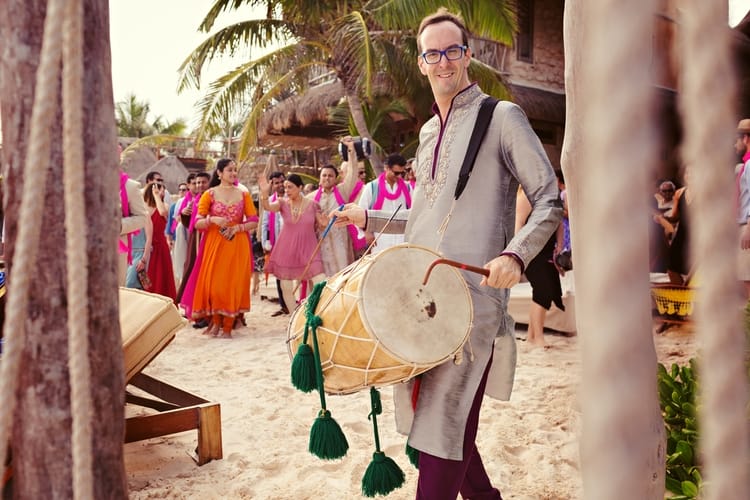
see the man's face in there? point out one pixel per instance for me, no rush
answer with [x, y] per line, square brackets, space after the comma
[193, 185]
[446, 77]
[667, 191]
[394, 173]
[327, 178]
[201, 184]
[277, 185]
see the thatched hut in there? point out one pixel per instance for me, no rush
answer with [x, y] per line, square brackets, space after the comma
[171, 169]
[301, 122]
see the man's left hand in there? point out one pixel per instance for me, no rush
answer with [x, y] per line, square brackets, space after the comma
[504, 272]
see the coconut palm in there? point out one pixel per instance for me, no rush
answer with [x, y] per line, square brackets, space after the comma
[132, 118]
[369, 46]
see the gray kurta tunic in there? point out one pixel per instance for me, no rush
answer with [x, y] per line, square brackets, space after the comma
[480, 228]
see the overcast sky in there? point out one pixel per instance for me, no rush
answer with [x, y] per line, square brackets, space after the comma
[151, 38]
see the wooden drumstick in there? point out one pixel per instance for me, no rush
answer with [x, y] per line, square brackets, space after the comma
[460, 265]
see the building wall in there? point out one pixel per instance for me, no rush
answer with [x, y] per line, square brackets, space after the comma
[547, 66]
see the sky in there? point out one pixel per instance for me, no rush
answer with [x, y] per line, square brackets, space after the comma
[151, 38]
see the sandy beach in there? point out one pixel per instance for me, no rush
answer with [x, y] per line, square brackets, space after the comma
[529, 444]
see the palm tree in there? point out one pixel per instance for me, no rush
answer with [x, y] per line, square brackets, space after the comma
[133, 120]
[366, 45]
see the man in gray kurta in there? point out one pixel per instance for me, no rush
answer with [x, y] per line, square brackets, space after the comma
[476, 230]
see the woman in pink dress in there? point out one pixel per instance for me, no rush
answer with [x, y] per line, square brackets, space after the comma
[297, 241]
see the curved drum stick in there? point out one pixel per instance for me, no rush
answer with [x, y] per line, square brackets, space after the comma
[460, 265]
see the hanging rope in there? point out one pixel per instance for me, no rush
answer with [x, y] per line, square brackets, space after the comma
[622, 453]
[76, 231]
[61, 40]
[707, 99]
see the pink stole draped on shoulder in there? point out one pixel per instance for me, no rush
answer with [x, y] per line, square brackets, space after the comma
[357, 242]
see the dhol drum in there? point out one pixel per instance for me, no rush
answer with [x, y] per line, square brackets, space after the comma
[381, 325]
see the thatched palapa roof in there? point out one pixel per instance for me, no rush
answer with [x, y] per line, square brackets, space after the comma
[539, 104]
[301, 121]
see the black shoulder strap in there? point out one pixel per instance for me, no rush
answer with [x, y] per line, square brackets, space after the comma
[477, 136]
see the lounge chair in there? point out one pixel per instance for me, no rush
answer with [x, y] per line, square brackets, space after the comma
[149, 323]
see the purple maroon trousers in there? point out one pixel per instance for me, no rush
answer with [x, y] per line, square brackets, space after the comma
[440, 478]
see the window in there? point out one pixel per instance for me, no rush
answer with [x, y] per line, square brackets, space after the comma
[525, 37]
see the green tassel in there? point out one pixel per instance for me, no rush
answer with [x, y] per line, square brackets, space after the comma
[382, 476]
[413, 455]
[304, 377]
[327, 440]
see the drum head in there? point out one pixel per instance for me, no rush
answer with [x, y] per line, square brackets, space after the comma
[421, 324]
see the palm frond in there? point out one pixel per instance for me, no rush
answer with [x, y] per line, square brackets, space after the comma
[355, 55]
[227, 41]
[220, 6]
[493, 19]
[489, 79]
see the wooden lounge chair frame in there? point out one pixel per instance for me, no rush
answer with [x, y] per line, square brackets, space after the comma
[178, 410]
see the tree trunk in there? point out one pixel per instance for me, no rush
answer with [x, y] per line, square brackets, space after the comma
[41, 437]
[622, 443]
[355, 107]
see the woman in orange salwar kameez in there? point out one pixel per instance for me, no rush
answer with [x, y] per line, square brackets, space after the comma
[227, 215]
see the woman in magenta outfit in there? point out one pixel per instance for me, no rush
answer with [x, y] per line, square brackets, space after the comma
[159, 262]
[297, 240]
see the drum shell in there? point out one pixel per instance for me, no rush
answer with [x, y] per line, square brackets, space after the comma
[352, 351]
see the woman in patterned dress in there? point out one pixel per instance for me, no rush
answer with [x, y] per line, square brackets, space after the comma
[227, 214]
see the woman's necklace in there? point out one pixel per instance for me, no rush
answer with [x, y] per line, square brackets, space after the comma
[296, 209]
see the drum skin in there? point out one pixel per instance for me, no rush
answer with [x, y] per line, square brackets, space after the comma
[381, 325]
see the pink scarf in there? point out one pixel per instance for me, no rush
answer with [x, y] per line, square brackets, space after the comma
[358, 238]
[185, 200]
[124, 203]
[383, 193]
[357, 242]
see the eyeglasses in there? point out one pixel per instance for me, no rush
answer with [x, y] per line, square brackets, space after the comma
[667, 190]
[183, 189]
[451, 53]
[400, 173]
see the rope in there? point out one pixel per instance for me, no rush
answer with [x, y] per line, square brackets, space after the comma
[622, 432]
[707, 99]
[76, 231]
[67, 44]
[30, 213]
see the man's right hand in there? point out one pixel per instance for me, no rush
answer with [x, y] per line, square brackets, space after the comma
[350, 214]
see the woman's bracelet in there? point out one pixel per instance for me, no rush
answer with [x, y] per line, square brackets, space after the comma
[208, 220]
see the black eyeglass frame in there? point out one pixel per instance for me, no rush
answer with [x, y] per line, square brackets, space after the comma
[461, 48]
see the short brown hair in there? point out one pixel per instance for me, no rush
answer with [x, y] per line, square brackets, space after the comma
[441, 15]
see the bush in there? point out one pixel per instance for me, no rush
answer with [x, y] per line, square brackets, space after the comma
[677, 390]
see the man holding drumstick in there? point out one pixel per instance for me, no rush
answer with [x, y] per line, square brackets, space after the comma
[475, 226]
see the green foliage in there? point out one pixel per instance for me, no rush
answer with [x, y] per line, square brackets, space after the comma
[677, 391]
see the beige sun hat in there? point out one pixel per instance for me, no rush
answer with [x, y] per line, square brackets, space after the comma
[744, 126]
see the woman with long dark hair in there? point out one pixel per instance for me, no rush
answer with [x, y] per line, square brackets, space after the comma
[227, 214]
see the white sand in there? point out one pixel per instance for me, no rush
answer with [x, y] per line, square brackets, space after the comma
[529, 445]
